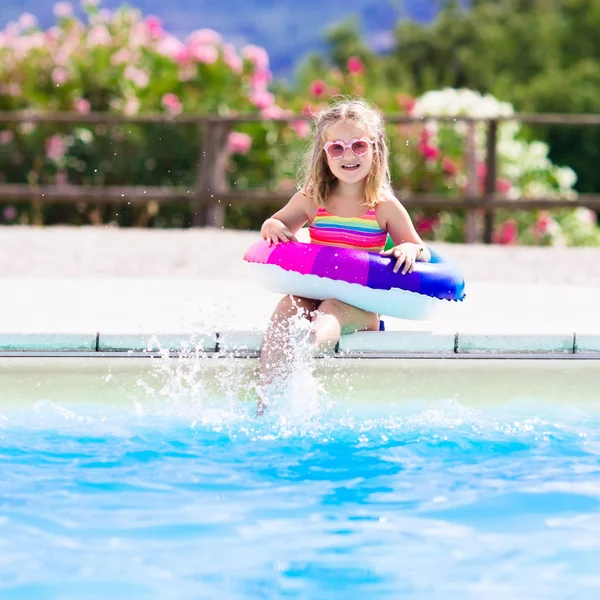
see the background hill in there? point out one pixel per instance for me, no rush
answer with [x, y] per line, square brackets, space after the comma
[287, 29]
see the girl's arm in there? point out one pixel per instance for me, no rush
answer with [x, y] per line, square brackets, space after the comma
[409, 246]
[284, 224]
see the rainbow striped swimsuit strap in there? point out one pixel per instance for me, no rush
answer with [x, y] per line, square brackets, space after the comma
[360, 233]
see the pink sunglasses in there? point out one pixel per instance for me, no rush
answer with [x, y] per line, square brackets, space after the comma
[359, 146]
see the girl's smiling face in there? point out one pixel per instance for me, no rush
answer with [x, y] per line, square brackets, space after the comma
[349, 168]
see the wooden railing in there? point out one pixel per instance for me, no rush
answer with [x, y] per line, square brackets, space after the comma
[210, 195]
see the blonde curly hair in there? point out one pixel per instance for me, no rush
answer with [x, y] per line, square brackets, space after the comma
[316, 179]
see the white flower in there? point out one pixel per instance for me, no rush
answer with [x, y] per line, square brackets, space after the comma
[537, 189]
[463, 102]
[514, 193]
[511, 149]
[508, 130]
[536, 158]
[566, 177]
[84, 135]
[538, 150]
[585, 216]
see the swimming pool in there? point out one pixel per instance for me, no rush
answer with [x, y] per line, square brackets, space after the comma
[135, 478]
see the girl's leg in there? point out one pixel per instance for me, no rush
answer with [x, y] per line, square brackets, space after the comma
[275, 351]
[333, 318]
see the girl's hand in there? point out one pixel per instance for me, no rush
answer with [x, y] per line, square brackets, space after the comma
[406, 254]
[274, 231]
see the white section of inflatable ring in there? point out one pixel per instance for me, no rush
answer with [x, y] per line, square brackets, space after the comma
[392, 303]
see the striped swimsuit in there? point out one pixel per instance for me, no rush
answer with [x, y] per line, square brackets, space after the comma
[359, 233]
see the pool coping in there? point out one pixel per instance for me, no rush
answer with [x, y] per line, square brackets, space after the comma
[366, 344]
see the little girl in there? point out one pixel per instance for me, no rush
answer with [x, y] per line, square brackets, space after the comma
[346, 198]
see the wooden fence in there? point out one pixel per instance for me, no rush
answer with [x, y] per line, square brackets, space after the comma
[210, 195]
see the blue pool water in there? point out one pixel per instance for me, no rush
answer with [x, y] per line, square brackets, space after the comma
[422, 500]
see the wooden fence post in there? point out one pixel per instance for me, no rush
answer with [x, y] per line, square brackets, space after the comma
[472, 181]
[212, 174]
[490, 180]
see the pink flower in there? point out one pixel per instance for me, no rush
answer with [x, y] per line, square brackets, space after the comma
[354, 65]
[139, 77]
[6, 136]
[82, 106]
[139, 35]
[542, 225]
[124, 55]
[273, 112]
[257, 56]
[62, 10]
[175, 49]
[301, 127]
[9, 213]
[503, 185]
[172, 104]
[51, 35]
[131, 106]
[98, 36]
[27, 21]
[12, 29]
[428, 151]
[55, 148]
[261, 79]
[203, 53]
[10, 89]
[424, 135]
[425, 225]
[154, 26]
[507, 234]
[317, 88]
[60, 76]
[104, 16]
[449, 166]
[182, 58]
[239, 143]
[231, 58]
[406, 102]
[481, 170]
[262, 98]
[204, 36]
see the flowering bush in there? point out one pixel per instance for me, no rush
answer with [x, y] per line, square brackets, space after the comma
[434, 160]
[123, 63]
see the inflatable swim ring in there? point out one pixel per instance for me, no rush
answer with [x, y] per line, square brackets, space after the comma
[360, 278]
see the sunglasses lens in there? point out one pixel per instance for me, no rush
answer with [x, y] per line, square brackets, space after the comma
[336, 150]
[360, 148]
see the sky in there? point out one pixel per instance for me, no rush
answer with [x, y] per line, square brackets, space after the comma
[287, 29]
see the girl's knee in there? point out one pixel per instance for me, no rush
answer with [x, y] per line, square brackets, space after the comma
[331, 305]
[290, 306]
[334, 307]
